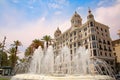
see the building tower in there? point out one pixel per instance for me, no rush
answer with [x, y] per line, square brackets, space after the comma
[57, 33]
[76, 20]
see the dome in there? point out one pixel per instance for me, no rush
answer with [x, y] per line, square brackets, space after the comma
[76, 15]
[57, 32]
[90, 15]
[76, 20]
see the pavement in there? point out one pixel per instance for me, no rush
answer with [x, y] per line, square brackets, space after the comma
[8, 77]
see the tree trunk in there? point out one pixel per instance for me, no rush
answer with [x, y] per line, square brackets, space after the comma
[47, 44]
[15, 55]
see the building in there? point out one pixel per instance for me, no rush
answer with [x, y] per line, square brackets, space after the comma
[93, 35]
[116, 51]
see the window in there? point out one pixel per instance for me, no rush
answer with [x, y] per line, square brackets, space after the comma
[85, 41]
[113, 49]
[97, 32]
[75, 50]
[106, 35]
[74, 44]
[101, 29]
[111, 62]
[103, 69]
[104, 42]
[110, 54]
[86, 47]
[91, 23]
[85, 29]
[105, 48]
[94, 52]
[93, 37]
[114, 54]
[71, 54]
[89, 38]
[109, 49]
[102, 34]
[101, 53]
[85, 34]
[105, 54]
[94, 44]
[70, 45]
[74, 32]
[97, 27]
[79, 43]
[100, 47]
[105, 30]
[92, 30]
[71, 35]
[108, 42]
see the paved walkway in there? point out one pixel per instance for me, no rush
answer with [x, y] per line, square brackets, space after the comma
[8, 77]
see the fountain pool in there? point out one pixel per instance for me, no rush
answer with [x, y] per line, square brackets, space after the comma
[44, 66]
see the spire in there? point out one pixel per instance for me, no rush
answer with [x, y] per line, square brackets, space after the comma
[90, 15]
[89, 11]
[75, 12]
[57, 28]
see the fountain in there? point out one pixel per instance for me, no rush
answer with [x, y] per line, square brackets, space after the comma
[45, 66]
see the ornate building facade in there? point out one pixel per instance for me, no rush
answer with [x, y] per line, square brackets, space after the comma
[116, 51]
[93, 35]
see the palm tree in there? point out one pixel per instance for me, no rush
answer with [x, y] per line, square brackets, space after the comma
[47, 39]
[0, 45]
[28, 51]
[34, 45]
[15, 45]
[12, 57]
[4, 58]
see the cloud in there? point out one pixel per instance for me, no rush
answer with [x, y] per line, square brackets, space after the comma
[101, 2]
[110, 16]
[58, 4]
[15, 1]
[79, 8]
[105, 2]
[62, 2]
[54, 6]
[57, 12]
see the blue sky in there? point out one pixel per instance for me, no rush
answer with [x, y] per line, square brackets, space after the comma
[26, 20]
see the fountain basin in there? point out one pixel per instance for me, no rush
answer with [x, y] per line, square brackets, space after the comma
[60, 77]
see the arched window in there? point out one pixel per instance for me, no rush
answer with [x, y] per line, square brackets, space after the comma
[91, 23]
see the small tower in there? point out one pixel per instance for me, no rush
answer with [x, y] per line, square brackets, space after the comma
[90, 15]
[76, 20]
[118, 33]
[57, 33]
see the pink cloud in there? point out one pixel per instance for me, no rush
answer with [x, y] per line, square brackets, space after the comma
[111, 17]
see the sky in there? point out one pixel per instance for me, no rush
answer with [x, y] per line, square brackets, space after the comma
[26, 20]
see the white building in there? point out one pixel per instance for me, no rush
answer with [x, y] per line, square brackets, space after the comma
[93, 35]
